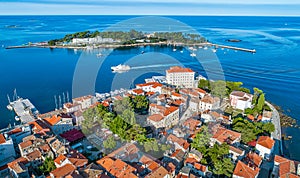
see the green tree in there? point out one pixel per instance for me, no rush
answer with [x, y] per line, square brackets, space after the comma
[121, 105]
[141, 103]
[218, 88]
[261, 102]
[202, 139]
[129, 116]
[47, 166]
[223, 167]
[109, 143]
[204, 84]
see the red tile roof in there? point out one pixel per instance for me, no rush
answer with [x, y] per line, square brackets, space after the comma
[63, 171]
[287, 168]
[159, 172]
[53, 120]
[254, 158]
[2, 139]
[182, 142]
[156, 117]
[225, 135]
[61, 158]
[78, 162]
[36, 154]
[25, 144]
[138, 91]
[176, 69]
[242, 170]
[192, 123]
[266, 142]
[117, 167]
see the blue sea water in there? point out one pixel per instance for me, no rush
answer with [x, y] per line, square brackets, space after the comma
[39, 74]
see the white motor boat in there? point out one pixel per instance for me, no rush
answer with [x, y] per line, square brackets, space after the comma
[193, 54]
[120, 68]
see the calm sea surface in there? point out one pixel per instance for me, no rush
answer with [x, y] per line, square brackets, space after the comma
[39, 74]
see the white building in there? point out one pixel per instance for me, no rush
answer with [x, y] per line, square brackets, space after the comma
[150, 87]
[85, 101]
[181, 77]
[161, 116]
[265, 146]
[209, 103]
[267, 116]
[240, 100]
[7, 151]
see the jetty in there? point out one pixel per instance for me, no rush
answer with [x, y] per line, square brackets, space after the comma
[233, 48]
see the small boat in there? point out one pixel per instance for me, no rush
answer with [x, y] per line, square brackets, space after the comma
[214, 50]
[205, 48]
[17, 118]
[142, 52]
[9, 107]
[99, 55]
[181, 51]
[193, 55]
[120, 68]
[174, 49]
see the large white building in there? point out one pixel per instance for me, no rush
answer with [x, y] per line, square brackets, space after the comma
[240, 100]
[181, 77]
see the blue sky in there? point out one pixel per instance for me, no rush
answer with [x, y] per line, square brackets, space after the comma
[150, 7]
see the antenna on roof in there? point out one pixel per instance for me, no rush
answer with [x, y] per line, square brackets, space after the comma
[55, 102]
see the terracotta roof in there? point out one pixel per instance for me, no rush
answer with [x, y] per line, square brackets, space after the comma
[200, 90]
[14, 131]
[138, 91]
[34, 155]
[254, 158]
[2, 139]
[176, 69]
[266, 142]
[159, 172]
[242, 170]
[63, 171]
[25, 144]
[182, 142]
[250, 117]
[176, 94]
[18, 165]
[80, 99]
[53, 120]
[78, 162]
[45, 148]
[225, 135]
[153, 84]
[60, 159]
[192, 123]
[287, 168]
[209, 99]
[156, 117]
[238, 93]
[117, 167]
[236, 150]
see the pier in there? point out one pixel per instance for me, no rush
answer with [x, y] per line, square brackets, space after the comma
[234, 48]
